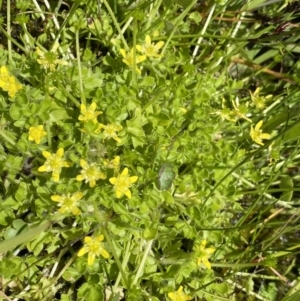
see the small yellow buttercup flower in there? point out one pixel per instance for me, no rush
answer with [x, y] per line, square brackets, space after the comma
[36, 134]
[54, 163]
[90, 173]
[68, 203]
[203, 254]
[49, 59]
[240, 111]
[110, 131]
[150, 49]
[9, 83]
[128, 59]
[122, 183]
[4, 75]
[179, 295]
[12, 86]
[259, 101]
[89, 113]
[257, 135]
[114, 164]
[225, 113]
[94, 247]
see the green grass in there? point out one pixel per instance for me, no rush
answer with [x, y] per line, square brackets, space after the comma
[128, 176]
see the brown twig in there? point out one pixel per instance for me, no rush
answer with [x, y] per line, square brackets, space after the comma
[263, 69]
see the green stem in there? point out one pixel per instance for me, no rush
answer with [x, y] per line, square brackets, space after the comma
[178, 22]
[72, 98]
[9, 31]
[238, 265]
[252, 275]
[9, 38]
[124, 264]
[116, 23]
[143, 262]
[7, 138]
[153, 12]
[79, 67]
[112, 248]
[202, 32]
[134, 54]
[48, 134]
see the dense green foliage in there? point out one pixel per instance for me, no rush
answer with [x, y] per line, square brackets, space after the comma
[149, 150]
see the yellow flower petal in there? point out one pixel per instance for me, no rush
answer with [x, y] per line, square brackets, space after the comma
[80, 178]
[91, 258]
[83, 251]
[93, 106]
[148, 39]
[42, 168]
[119, 193]
[104, 253]
[92, 183]
[206, 263]
[87, 239]
[127, 193]
[210, 250]
[125, 172]
[133, 179]
[55, 177]
[123, 52]
[60, 152]
[84, 164]
[46, 154]
[159, 45]
[56, 198]
[113, 180]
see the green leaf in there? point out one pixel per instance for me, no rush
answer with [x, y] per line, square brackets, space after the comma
[15, 111]
[287, 184]
[292, 133]
[21, 193]
[184, 3]
[57, 115]
[27, 235]
[91, 292]
[167, 197]
[137, 141]
[135, 129]
[150, 233]
[196, 17]
[6, 215]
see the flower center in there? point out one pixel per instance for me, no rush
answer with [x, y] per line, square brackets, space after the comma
[123, 182]
[56, 163]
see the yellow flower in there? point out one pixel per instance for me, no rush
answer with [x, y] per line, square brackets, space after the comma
[90, 173]
[128, 59]
[36, 134]
[225, 113]
[150, 49]
[49, 59]
[122, 183]
[203, 254]
[259, 101]
[94, 247]
[68, 203]
[4, 75]
[114, 164]
[54, 163]
[8, 83]
[257, 135]
[89, 114]
[240, 110]
[179, 295]
[110, 131]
